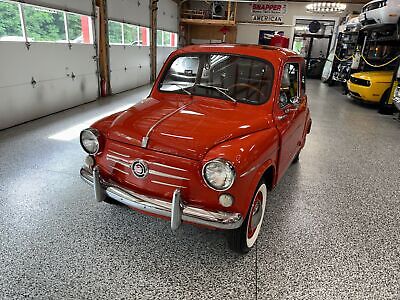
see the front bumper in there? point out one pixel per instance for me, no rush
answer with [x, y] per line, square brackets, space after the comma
[176, 210]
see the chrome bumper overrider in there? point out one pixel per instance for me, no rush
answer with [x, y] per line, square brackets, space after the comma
[176, 209]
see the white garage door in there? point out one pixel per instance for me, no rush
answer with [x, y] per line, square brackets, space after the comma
[55, 70]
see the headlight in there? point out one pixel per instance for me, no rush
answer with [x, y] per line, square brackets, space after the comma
[90, 140]
[219, 174]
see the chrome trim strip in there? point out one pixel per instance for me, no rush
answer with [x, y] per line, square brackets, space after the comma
[124, 155]
[145, 139]
[118, 160]
[195, 215]
[124, 172]
[168, 184]
[161, 174]
[250, 170]
[166, 166]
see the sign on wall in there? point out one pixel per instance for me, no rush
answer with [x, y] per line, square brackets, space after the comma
[271, 12]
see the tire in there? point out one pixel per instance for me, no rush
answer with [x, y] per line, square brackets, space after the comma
[244, 238]
[384, 108]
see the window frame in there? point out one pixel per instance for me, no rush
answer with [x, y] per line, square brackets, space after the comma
[298, 80]
[64, 12]
[165, 69]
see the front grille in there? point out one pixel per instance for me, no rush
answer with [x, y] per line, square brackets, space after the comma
[374, 5]
[360, 81]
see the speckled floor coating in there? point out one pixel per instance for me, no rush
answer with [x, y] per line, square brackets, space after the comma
[331, 230]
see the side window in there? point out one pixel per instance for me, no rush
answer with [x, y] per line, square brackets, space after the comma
[289, 84]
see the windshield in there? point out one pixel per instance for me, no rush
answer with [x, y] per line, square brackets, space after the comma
[223, 76]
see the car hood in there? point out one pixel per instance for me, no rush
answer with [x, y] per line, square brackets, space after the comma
[376, 76]
[186, 128]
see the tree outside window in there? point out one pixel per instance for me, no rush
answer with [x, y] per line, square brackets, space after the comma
[44, 25]
[114, 32]
[10, 22]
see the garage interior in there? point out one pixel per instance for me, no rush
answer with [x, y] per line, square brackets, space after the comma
[331, 225]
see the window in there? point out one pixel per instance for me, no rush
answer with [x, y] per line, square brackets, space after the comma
[144, 36]
[174, 39]
[79, 29]
[131, 35]
[10, 22]
[160, 41]
[222, 76]
[166, 39]
[44, 25]
[115, 32]
[289, 84]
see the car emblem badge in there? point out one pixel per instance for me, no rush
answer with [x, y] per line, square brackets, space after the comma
[140, 169]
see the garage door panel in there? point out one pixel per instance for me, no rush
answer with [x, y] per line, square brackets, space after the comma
[24, 102]
[135, 12]
[44, 61]
[122, 80]
[81, 6]
[130, 67]
[167, 15]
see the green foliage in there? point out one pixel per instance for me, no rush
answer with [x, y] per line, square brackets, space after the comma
[167, 38]
[115, 32]
[74, 26]
[159, 38]
[130, 34]
[10, 24]
[44, 24]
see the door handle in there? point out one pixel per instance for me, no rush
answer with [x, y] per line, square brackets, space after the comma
[280, 118]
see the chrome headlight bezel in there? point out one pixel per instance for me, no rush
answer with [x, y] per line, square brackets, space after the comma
[94, 134]
[228, 167]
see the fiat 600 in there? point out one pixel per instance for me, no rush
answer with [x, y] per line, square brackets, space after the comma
[219, 129]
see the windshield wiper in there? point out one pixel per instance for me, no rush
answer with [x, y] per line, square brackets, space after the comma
[182, 88]
[222, 91]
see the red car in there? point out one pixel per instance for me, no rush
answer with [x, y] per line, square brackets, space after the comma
[219, 129]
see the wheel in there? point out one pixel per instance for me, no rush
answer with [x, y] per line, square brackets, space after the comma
[384, 108]
[244, 238]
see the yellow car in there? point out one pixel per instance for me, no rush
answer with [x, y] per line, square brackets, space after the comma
[374, 86]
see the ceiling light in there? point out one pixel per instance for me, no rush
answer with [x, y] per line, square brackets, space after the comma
[324, 7]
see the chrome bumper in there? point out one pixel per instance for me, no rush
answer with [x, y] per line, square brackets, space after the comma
[176, 209]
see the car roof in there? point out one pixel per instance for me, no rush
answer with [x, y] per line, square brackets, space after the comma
[245, 49]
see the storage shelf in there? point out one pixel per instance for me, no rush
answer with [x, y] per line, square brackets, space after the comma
[208, 22]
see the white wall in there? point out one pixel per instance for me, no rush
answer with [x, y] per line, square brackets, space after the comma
[51, 65]
[248, 33]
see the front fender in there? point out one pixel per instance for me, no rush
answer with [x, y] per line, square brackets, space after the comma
[250, 155]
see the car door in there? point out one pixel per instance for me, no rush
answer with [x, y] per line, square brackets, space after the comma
[287, 116]
[301, 111]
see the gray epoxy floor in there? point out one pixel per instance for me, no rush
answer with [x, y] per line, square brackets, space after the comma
[331, 231]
